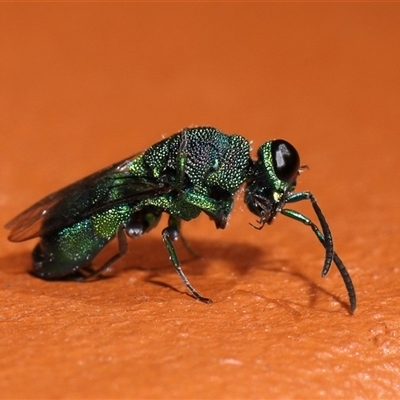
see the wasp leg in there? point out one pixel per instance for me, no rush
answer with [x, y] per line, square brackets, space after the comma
[175, 223]
[327, 241]
[170, 234]
[142, 222]
[342, 269]
[188, 247]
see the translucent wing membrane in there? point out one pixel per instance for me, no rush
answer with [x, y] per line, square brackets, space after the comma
[84, 199]
[27, 225]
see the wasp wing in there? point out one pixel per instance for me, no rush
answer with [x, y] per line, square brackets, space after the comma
[98, 192]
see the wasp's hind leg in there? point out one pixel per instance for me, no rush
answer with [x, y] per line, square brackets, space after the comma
[174, 226]
[138, 224]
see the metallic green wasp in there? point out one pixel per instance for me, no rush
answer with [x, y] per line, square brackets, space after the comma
[196, 170]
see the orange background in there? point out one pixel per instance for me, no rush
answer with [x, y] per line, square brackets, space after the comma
[84, 85]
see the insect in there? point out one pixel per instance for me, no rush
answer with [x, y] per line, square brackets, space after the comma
[196, 170]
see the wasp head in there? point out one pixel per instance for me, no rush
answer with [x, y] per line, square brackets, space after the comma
[272, 178]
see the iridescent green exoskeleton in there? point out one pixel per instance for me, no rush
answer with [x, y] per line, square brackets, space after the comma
[196, 170]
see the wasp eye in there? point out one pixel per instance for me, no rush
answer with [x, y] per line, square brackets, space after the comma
[286, 160]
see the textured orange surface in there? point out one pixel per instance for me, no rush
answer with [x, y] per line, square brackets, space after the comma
[84, 85]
